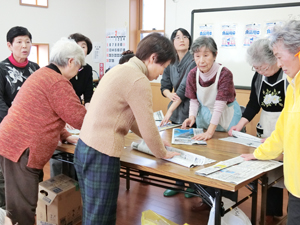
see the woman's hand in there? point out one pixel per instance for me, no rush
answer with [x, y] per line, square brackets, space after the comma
[170, 155]
[173, 97]
[236, 127]
[263, 140]
[72, 139]
[166, 118]
[204, 136]
[248, 157]
[189, 122]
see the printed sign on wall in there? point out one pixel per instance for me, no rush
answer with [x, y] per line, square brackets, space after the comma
[116, 43]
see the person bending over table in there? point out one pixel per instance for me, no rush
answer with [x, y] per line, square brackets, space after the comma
[285, 43]
[268, 90]
[14, 71]
[35, 123]
[122, 101]
[212, 96]
[174, 77]
[211, 92]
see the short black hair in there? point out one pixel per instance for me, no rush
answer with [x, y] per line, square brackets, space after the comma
[156, 43]
[184, 32]
[80, 37]
[17, 31]
[126, 56]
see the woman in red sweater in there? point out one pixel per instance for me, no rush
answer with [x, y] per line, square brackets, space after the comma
[34, 125]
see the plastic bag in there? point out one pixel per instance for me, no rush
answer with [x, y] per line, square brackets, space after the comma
[234, 217]
[151, 218]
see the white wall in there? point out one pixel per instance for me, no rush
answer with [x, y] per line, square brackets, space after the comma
[178, 12]
[47, 25]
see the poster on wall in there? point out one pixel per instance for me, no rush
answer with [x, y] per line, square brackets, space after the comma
[228, 35]
[97, 52]
[206, 30]
[270, 26]
[252, 32]
[116, 43]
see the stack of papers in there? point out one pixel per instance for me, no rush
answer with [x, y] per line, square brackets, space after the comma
[236, 170]
[244, 139]
[186, 159]
[184, 137]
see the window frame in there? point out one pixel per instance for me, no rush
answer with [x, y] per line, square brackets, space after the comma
[35, 5]
[38, 45]
[136, 23]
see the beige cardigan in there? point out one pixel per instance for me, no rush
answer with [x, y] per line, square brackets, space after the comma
[122, 98]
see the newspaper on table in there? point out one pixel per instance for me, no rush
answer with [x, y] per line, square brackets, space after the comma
[236, 170]
[166, 126]
[186, 159]
[184, 137]
[244, 139]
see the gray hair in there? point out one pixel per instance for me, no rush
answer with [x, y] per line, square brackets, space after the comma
[260, 53]
[203, 41]
[66, 49]
[289, 34]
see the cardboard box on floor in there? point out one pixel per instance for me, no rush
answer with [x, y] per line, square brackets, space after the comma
[59, 202]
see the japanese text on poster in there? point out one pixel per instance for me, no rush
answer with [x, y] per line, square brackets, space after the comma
[252, 32]
[229, 35]
[206, 30]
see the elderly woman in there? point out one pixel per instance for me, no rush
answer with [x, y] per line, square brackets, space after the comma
[13, 73]
[285, 42]
[97, 154]
[174, 77]
[34, 125]
[211, 91]
[126, 55]
[83, 81]
[269, 82]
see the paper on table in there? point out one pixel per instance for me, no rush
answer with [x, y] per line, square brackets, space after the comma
[236, 170]
[219, 166]
[158, 115]
[244, 139]
[186, 159]
[244, 171]
[166, 126]
[184, 137]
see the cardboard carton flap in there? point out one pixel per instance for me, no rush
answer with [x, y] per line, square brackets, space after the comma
[53, 187]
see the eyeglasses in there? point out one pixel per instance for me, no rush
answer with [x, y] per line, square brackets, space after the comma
[258, 69]
[80, 69]
[177, 38]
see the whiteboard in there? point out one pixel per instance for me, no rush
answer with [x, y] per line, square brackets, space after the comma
[234, 58]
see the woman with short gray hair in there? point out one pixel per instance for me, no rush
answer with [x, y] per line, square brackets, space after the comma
[268, 91]
[285, 43]
[211, 91]
[35, 124]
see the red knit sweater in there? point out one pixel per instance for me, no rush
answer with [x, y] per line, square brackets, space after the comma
[36, 119]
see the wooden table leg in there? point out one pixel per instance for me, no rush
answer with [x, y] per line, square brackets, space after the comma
[127, 178]
[264, 189]
[254, 203]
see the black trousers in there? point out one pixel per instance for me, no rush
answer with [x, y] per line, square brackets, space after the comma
[21, 189]
[274, 201]
[293, 210]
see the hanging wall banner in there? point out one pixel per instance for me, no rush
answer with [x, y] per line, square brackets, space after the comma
[252, 32]
[228, 35]
[116, 43]
[206, 30]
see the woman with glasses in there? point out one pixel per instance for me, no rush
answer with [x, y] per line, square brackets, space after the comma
[285, 43]
[174, 78]
[267, 89]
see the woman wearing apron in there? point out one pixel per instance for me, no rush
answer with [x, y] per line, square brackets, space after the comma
[211, 91]
[267, 93]
[212, 97]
